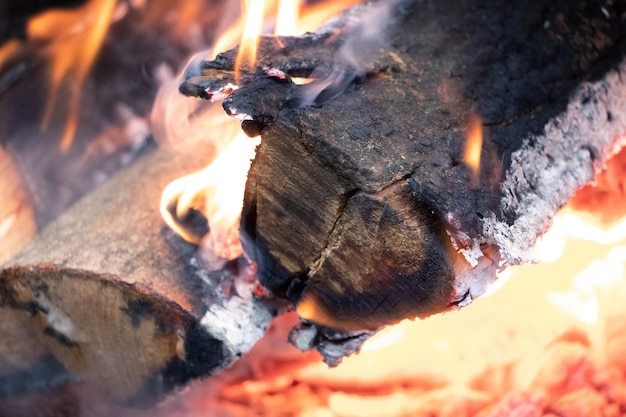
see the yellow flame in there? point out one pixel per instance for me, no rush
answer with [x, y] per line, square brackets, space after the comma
[576, 229]
[250, 37]
[222, 184]
[76, 36]
[229, 38]
[474, 145]
[287, 17]
[308, 308]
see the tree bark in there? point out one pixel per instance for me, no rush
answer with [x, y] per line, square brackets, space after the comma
[360, 207]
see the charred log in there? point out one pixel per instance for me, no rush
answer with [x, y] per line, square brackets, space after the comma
[108, 296]
[359, 206]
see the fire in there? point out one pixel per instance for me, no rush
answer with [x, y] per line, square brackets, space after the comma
[75, 37]
[287, 18]
[529, 345]
[495, 345]
[8, 50]
[251, 33]
[217, 191]
[222, 185]
[473, 146]
[317, 12]
[551, 338]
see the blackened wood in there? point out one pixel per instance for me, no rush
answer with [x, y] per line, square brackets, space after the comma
[359, 207]
[117, 300]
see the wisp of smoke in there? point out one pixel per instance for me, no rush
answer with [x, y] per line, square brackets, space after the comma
[365, 34]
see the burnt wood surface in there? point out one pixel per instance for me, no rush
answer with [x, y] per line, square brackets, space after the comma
[107, 295]
[359, 207]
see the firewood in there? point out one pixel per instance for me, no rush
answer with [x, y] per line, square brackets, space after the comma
[109, 296]
[17, 220]
[360, 207]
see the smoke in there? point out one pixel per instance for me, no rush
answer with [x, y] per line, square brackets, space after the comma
[366, 33]
[177, 120]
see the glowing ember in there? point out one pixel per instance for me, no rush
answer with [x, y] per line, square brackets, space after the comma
[474, 145]
[75, 37]
[606, 197]
[535, 346]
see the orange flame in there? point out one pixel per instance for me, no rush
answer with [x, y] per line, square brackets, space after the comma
[250, 38]
[454, 364]
[217, 191]
[315, 14]
[473, 146]
[287, 17]
[308, 308]
[222, 184]
[8, 50]
[76, 36]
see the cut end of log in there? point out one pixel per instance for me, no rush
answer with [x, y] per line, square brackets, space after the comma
[387, 258]
[169, 349]
[118, 301]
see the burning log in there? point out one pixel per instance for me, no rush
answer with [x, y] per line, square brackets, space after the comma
[362, 206]
[108, 295]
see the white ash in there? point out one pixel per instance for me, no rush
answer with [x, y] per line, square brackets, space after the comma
[239, 323]
[544, 173]
[233, 112]
[543, 176]
[332, 344]
[237, 316]
[473, 280]
[222, 93]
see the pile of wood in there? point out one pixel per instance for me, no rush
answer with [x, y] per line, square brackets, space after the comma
[359, 208]
[108, 294]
